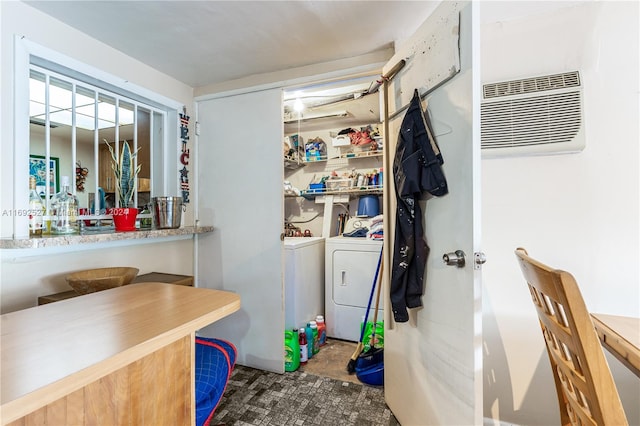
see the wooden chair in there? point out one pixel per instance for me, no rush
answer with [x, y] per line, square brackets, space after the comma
[586, 391]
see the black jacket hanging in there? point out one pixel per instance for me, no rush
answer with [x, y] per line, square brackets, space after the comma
[416, 169]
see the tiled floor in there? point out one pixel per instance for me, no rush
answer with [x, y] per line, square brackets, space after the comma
[319, 393]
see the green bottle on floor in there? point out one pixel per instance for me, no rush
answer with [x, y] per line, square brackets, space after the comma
[291, 351]
[316, 341]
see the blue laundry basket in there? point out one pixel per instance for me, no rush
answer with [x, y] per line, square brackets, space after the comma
[215, 359]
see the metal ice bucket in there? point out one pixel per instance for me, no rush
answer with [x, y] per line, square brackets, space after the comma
[167, 212]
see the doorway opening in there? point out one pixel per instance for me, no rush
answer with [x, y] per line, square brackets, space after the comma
[332, 152]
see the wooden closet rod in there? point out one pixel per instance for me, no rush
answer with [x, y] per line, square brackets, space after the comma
[375, 85]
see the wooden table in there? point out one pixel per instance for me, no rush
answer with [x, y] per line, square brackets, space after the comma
[119, 356]
[621, 337]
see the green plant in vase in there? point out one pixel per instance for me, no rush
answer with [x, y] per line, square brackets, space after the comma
[126, 177]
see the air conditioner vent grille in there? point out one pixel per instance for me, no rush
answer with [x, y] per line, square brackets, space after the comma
[551, 118]
[531, 85]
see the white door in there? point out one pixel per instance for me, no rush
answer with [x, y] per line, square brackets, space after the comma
[433, 362]
[240, 193]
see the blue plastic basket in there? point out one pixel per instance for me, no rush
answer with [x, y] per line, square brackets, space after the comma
[372, 375]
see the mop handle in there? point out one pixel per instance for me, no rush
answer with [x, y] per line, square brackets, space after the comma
[373, 288]
[375, 313]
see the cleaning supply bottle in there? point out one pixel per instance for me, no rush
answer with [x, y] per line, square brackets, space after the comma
[322, 330]
[304, 351]
[36, 210]
[314, 330]
[291, 351]
[378, 339]
[309, 334]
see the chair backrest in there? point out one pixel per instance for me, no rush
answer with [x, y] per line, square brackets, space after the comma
[586, 391]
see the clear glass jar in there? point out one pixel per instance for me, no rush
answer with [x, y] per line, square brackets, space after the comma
[64, 210]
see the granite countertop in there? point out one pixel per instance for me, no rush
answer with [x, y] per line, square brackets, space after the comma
[68, 240]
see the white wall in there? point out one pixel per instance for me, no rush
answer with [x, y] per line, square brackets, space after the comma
[30, 273]
[243, 199]
[575, 212]
[23, 279]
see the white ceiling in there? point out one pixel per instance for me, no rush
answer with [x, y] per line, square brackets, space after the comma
[207, 42]
[201, 43]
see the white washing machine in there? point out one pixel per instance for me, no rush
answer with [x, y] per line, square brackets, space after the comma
[350, 266]
[303, 280]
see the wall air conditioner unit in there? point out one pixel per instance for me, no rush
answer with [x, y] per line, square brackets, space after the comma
[532, 116]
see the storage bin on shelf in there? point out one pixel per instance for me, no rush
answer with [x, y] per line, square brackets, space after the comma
[341, 140]
[339, 184]
[316, 187]
[315, 150]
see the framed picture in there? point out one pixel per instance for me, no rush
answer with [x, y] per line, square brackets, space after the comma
[38, 169]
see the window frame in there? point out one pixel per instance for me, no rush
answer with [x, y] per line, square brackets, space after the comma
[28, 54]
[118, 99]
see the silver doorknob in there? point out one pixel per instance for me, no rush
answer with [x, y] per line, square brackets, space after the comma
[454, 259]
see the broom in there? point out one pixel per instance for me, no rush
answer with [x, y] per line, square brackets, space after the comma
[351, 366]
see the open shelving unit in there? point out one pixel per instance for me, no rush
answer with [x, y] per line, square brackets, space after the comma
[291, 163]
[363, 190]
